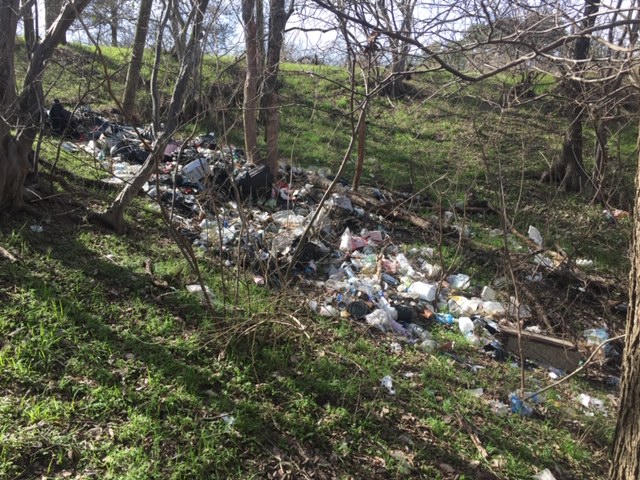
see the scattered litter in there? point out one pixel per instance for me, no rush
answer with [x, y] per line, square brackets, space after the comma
[584, 263]
[476, 392]
[230, 420]
[544, 475]
[349, 260]
[196, 289]
[595, 336]
[499, 408]
[519, 406]
[534, 234]
[387, 382]
[459, 281]
[591, 403]
[36, 228]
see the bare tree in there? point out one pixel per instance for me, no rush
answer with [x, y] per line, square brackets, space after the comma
[24, 112]
[52, 9]
[137, 52]
[250, 100]
[278, 16]
[625, 462]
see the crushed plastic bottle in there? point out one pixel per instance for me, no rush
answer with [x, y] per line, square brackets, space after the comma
[445, 318]
[428, 345]
[519, 406]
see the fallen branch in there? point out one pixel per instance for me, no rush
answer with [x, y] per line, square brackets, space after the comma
[8, 255]
[472, 434]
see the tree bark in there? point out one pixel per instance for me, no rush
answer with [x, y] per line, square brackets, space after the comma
[113, 23]
[51, 10]
[278, 18]
[28, 21]
[625, 461]
[250, 100]
[137, 52]
[8, 25]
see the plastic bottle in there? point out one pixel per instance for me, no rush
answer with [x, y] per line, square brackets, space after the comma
[518, 406]
[445, 318]
[403, 264]
[419, 332]
[428, 345]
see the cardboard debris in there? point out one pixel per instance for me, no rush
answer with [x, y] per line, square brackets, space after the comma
[541, 349]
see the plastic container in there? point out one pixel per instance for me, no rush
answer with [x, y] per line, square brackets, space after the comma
[428, 345]
[426, 291]
[459, 281]
[358, 309]
[518, 406]
[403, 264]
[196, 171]
[466, 325]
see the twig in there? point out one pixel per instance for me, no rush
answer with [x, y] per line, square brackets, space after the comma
[8, 255]
[474, 437]
[580, 368]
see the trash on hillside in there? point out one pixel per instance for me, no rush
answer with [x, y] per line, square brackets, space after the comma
[348, 267]
[196, 289]
[387, 382]
[592, 404]
[544, 475]
[36, 228]
[519, 406]
[535, 236]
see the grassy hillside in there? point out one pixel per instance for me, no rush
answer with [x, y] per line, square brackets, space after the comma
[111, 369]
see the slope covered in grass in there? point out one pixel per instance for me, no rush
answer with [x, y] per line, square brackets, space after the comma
[111, 369]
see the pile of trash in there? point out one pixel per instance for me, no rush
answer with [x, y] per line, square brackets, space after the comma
[342, 254]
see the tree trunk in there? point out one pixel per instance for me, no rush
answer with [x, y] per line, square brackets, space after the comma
[114, 216]
[625, 461]
[157, 57]
[137, 52]
[28, 21]
[51, 10]
[250, 100]
[601, 159]
[113, 23]
[179, 30]
[278, 17]
[569, 170]
[8, 26]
